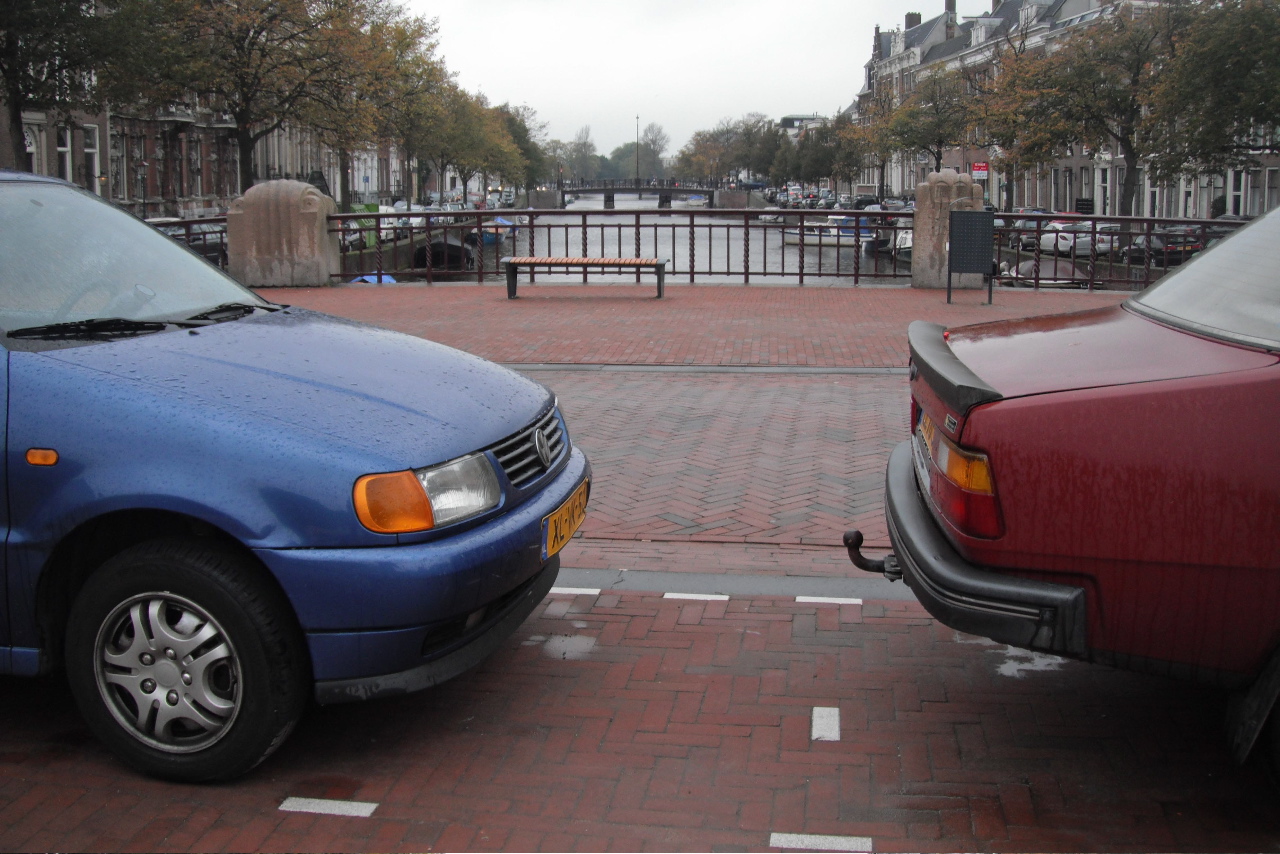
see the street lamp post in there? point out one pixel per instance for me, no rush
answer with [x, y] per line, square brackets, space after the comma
[637, 152]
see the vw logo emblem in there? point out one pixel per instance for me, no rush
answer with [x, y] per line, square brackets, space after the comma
[540, 445]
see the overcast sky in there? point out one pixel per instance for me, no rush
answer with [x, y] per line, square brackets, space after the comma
[685, 64]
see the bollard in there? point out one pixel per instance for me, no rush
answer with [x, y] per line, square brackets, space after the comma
[278, 236]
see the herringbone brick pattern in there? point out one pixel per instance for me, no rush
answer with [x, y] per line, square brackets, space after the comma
[636, 723]
[779, 460]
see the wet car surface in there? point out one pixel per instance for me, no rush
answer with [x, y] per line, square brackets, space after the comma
[222, 507]
[1106, 485]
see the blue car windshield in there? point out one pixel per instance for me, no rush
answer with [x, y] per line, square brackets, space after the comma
[1230, 291]
[68, 256]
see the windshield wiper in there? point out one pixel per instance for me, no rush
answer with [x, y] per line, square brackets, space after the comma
[231, 311]
[94, 326]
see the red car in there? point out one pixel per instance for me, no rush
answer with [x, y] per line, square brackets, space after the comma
[1105, 485]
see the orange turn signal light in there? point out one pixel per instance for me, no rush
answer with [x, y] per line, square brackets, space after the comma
[392, 503]
[42, 456]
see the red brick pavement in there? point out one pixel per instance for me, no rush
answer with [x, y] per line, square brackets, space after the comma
[632, 722]
[692, 325]
[773, 460]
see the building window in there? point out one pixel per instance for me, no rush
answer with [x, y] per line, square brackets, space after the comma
[1273, 189]
[92, 161]
[1256, 202]
[64, 153]
[195, 156]
[33, 136]
[119, 181]
[1237, 192]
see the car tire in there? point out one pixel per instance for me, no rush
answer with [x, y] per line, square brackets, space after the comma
[194, 628]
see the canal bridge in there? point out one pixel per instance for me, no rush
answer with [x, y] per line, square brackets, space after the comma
[664, 191]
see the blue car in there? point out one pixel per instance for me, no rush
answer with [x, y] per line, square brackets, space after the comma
[219, 507]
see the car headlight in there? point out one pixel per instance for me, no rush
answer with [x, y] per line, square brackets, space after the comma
[414, 500]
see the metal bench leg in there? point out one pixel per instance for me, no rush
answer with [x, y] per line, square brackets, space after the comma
[513, 271]
[662, 270]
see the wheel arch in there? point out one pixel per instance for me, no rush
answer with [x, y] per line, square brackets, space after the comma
[82, 551]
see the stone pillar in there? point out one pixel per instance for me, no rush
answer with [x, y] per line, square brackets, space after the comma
[278, 236]
[544, 199]
[936, 198]
[731, 198]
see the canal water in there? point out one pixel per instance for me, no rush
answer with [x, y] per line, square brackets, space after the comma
[702, 246]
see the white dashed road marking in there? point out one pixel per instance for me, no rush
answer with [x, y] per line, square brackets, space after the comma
[324, 806]
[810, 842]
[826, 724]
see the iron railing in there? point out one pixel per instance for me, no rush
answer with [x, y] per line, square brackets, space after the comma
[701, 246]
[741, 246]
[1117, 253]
[206, 237]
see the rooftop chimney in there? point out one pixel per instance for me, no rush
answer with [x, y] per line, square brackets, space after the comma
[913, 19]
[950, 6]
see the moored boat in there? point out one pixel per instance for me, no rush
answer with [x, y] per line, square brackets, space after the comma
[841, 231]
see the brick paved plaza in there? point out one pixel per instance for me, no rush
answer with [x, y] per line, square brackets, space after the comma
[736, 432]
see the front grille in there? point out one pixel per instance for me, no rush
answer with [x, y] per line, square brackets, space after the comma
[518, 455]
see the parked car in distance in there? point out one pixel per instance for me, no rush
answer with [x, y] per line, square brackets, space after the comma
[1024, 233]
[1105, 485]
[1079, 238]
[1166, 247]
[220, 508]
[862, 201]
[206, 239]
[352, 236]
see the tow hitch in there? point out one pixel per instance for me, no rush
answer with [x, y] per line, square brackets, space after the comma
[888, 567]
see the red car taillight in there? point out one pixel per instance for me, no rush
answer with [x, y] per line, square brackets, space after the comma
[958, 481]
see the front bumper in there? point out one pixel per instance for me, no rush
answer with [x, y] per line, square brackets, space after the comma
[400, 618]
[1021, 612]
[458, 656]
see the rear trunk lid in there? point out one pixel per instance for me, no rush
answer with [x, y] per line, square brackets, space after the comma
[956, 370]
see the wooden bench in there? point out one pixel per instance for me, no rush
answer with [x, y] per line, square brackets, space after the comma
[514, 263]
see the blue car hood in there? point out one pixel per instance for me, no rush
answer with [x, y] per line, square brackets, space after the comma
[411, 401]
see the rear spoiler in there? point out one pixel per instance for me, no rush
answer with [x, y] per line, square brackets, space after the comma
[951, 379]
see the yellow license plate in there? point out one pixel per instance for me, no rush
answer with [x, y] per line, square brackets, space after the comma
[560, 525]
